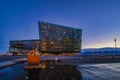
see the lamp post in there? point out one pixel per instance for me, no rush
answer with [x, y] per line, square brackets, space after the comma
[115, 44]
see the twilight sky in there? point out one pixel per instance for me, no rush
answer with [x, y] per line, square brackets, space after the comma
[99, 20]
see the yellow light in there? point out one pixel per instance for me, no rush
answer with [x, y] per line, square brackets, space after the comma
[51, 42]
[43, 66]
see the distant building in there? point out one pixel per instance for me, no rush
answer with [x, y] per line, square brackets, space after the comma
[53, 38]
[22, 46]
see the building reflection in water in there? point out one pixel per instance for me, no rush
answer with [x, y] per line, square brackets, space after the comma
[52, 71]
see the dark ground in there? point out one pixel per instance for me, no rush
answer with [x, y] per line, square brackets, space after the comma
[50, 71]
[14, 72]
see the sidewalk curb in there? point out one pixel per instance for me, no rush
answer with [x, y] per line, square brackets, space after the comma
[12, 62]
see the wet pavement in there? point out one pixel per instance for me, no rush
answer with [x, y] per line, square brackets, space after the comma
[14, 72]
[48, 71]
[59, 71]
[52, 71]
[103, 71]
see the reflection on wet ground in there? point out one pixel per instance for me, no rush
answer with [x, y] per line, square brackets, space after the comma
[103, 71]
[52, 71]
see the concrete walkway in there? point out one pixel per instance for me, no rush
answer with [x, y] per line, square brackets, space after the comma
[12, 62]
[20, 60]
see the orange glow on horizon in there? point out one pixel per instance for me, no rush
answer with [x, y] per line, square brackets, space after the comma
[101, 45]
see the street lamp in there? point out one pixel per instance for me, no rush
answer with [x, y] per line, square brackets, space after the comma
[115, 44]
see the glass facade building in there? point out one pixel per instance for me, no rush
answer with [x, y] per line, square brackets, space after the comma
[53, 38]
[58, 38]
[23, 46]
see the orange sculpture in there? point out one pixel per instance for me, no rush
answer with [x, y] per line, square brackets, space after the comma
[33, 58]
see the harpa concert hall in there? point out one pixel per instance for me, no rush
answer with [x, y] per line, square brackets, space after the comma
[53, 39]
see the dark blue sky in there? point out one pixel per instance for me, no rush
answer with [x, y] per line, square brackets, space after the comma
[99, 19]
